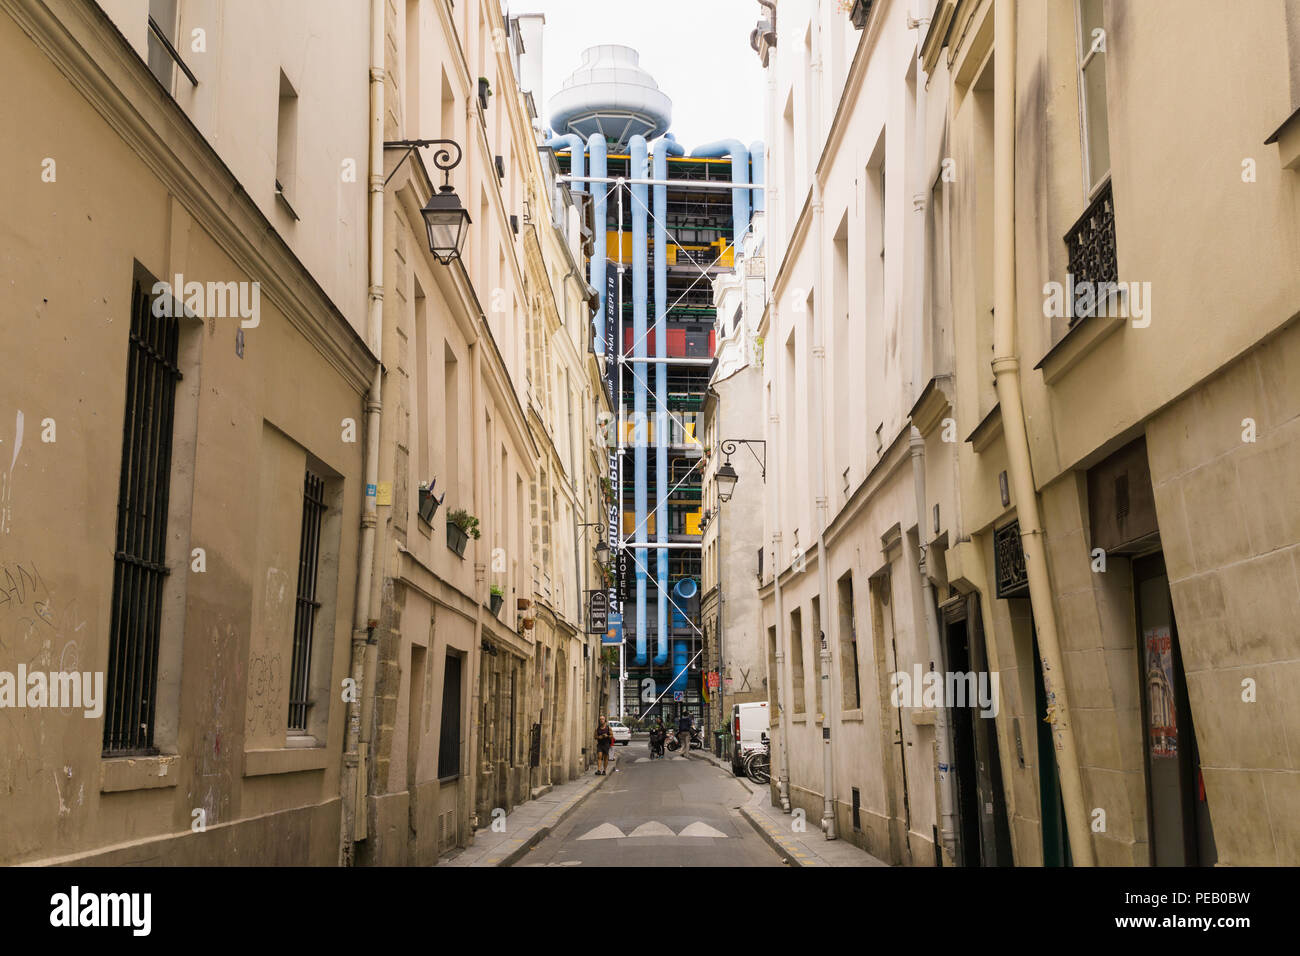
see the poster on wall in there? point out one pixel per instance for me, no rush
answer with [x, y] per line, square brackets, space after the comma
[1162, 719]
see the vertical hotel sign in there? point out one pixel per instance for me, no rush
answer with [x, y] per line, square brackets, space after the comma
[613, 438]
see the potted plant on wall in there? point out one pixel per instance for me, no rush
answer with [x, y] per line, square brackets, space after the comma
[461, 526]
[498, 598]
[484, 91]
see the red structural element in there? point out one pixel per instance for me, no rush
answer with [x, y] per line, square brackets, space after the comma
[681, 344]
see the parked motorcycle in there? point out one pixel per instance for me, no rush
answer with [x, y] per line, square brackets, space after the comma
[671, 743]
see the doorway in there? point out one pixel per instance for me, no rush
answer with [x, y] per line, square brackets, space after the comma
[1178, 815]
[981, 807]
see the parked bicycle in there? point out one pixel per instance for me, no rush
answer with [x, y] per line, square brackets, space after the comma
[758, 762]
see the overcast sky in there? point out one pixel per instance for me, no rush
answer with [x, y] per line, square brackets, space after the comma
[697, 50]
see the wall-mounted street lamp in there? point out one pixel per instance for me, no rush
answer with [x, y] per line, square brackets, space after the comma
[445, 218]
[726, 476]
[602, 546]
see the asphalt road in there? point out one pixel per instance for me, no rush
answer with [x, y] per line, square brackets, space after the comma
[671, 812]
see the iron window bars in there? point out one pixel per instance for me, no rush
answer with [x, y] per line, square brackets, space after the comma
[306, 605]
[139, 558]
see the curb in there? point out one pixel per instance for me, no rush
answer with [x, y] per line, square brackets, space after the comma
[790, 855]
[542, 832]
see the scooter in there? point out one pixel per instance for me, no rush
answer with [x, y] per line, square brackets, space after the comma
[671, 743]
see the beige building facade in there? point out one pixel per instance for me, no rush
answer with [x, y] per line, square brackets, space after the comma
[178, 522]
[302, 662]
[1086, 496]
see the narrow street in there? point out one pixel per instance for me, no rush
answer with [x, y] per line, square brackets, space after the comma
[673, 812]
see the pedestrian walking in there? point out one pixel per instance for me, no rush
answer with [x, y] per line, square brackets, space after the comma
[604, 740]
[685, 727]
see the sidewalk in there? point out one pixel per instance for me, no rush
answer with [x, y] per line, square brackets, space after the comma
[529, 823]
[810, 848]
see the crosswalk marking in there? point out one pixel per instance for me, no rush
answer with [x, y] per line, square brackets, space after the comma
[606, 831]
[653, 828]
[701, 829]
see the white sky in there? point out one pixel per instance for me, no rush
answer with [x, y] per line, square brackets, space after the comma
[697, 50]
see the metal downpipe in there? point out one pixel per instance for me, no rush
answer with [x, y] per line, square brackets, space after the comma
[1006, 372]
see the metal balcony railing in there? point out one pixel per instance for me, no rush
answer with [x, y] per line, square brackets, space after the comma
[1091, 247]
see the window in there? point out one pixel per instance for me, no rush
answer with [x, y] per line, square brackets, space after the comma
[451, 422]
[796, 660]
[816, 636]
[449, 735]
[1092, 94]
[286, 144]
[140, 568]
[850, 682]
[161, 43]
[306, 605]
[412, 64]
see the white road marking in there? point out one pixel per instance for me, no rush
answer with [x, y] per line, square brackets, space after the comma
[606, 831]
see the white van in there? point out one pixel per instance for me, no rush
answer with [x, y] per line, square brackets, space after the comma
[749, 723]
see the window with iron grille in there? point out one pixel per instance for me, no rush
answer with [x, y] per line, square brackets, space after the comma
[139, 558]
[304, 616]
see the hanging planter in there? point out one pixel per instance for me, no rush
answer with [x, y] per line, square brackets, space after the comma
[484, 91]
[527, 623]
[461, 526]
[497, 599]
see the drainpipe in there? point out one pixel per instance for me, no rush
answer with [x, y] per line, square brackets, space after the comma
[352, 781]
[819, 441]
[916, 444]
[638, 164]
[663, 146]
[600, 194]
[1006, 371]
[739, 174]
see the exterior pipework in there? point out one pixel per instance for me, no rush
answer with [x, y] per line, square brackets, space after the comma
[663, 146]
[599, 194]
[577, 153]
[739, 174]
[637, 149]
[758, 164]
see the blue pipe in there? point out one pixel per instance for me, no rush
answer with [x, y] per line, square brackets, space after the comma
[759, 175]
[599, 194]
[577, 157]
[663, 146]
[637, 148]
[739, 174]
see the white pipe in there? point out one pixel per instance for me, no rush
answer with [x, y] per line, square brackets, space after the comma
[1006, 372]
[916, 444]
[349, 782]
[820, 502]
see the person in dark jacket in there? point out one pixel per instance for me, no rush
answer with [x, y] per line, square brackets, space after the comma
[685, 729]
[604, 740]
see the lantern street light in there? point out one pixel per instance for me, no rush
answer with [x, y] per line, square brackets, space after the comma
[445, 218]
